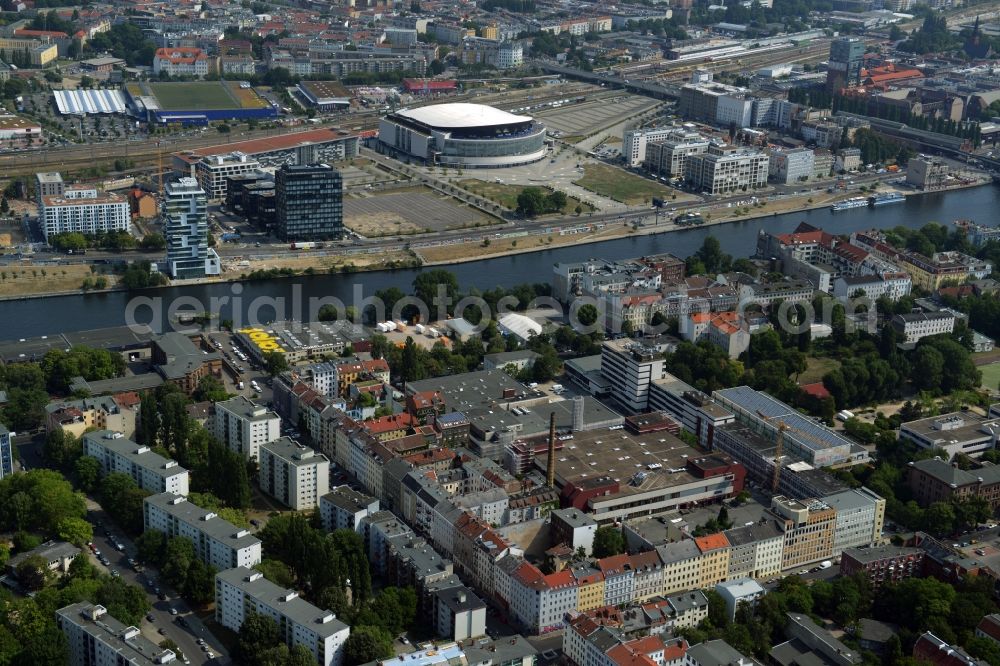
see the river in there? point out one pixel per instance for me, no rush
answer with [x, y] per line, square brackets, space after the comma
[46, 316]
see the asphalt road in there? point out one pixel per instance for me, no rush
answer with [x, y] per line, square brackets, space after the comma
[185, 638]
[29, 451]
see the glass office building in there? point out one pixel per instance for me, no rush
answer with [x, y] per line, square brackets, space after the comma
[309, 203]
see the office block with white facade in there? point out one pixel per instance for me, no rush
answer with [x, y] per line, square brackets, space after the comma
[669, 157]
[634, 141]
[295, 475]
[241, 590]
[243, 425]
[216, 541]
[860, 516]
[630, 367]
[151, 471]
[725, 169]
[95, 638]
[85, 211]
[212, 171]
[791, 166]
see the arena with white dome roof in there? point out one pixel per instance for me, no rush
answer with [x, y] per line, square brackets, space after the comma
[462, 135]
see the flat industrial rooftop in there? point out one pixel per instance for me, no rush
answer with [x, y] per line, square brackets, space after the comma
[623, 455]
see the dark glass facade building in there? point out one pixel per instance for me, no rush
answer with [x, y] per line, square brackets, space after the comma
[309, 203]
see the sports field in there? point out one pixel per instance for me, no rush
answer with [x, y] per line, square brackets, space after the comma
[199, 95]
[991, 375]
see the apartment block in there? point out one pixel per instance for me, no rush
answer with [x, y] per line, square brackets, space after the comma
[241, 590]
[636, 141]
[912, 327]
[243, 425]
[295, 475]
[934, 480]
[150, 470]
[216, 541]
[75, 417]
[89, 212]
[95, 638]
[668, 157]
[882, 565]
[344, 508]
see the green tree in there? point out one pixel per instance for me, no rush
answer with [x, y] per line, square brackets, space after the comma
[427, 284]
[367, 643]
[38, 500]
[125, 602]
[275, 363]
[87, 472]
[33, 572]
[258, 633]
[608, 541]
[151, 545]
[199, 584]
[277, 572]
[76, 531]
[122, 498]
[587, 314]
[177, 559]
[531, 201]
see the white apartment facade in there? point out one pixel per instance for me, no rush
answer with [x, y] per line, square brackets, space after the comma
[95, 638]
[216, 541]
[295, 475]
[634, 142]
[923, 324]
[89, 214]
[151, 471]
[240, 590]
[725, 169]
[185, 207]
[243, 425]
[669, 157]
[509, 55]
[791, 166]
[345, 509]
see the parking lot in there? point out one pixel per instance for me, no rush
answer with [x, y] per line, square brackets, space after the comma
[170, 617]
[411, 210]
[590, 117]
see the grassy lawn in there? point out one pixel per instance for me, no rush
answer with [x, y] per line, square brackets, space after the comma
[27, 280]
[816, 368]
[620, 185]
[506, 195]
[991, 375]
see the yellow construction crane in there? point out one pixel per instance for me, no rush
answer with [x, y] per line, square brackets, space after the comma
[780, 445]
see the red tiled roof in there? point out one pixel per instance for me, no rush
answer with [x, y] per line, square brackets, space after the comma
[711, 542]
[613, 564]
[817, 390]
